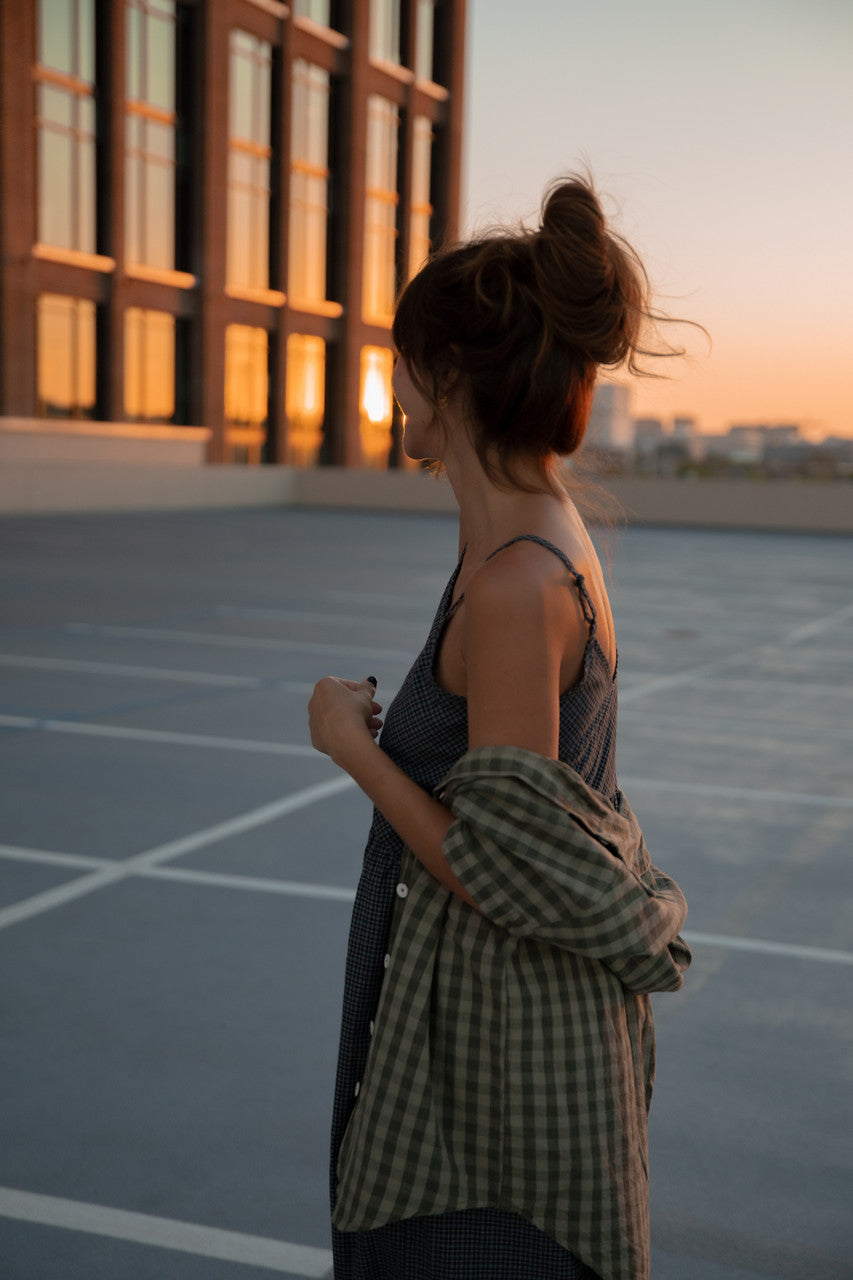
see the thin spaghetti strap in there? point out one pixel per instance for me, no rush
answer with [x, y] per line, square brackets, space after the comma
[585, 598]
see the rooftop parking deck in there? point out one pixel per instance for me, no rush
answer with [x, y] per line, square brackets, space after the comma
[178, 866]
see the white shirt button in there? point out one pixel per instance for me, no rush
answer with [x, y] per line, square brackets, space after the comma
[387, 960]
[402, 890]
[372, 1027]
[357, 1087]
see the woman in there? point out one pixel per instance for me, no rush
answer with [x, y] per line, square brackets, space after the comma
[497, 1046]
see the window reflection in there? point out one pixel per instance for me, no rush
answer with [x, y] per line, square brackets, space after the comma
[305, 395]
[66, 37]
[150, 125]
[380, 221]
[385, 30]
[319, 10]
[65, 334]
[309, 183]
[66, 124]
[246, 391]
[425, 40]
[249, 156]
[376, 405]
[149, 366]
[421, 213]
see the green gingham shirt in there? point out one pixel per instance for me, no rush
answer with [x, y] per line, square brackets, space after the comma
[512, 1059]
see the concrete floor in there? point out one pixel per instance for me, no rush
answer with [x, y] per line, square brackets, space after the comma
[177, 870]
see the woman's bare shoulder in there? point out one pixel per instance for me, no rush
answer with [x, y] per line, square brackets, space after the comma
[524, 567]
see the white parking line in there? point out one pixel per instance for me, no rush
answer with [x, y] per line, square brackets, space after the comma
[692, 674]
[811, 629]
[238, 642]
[88, 729]
[744, 730]
[737, 793]
[140, 673]
[109, 873]
[48, 857]
[254, 884]
[337, 621]
[166, 1233]
[340, 893]
[724, 940]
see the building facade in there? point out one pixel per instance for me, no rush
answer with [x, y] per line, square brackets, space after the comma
[610, 428]
[207, 208]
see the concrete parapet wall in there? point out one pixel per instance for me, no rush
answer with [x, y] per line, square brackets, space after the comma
[807, 506]
[33, 487]
[74, 487]
[47, 442]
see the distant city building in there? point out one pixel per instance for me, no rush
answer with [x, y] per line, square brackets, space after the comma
[208, 207]
[749, 442]
[611, 427]
[684, 428]
[648, 434]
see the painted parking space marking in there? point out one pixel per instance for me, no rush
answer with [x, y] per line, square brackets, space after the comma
[749, 653]
[752, 794]
[334, 620]
[823, 955]
[110, 873]
[342, 893]
[237, 642]
[817, 628]
[130, 734]
[124, 670]
[166, 1233]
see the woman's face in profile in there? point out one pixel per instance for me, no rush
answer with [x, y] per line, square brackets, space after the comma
[423, 434]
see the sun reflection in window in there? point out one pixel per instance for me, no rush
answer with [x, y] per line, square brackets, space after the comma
[376, 405]
[149, 365]
[66, 356]
[305, 398]
[246, 391]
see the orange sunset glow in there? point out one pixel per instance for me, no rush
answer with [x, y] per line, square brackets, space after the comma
[720, 140]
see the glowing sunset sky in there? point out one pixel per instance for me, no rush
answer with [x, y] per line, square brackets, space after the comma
[721, 139]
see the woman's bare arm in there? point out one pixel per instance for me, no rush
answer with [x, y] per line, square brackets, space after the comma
[516, 634]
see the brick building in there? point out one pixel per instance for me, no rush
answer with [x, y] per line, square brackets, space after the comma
[206, 210]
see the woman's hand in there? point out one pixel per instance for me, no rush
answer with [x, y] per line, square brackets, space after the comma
[343, 716]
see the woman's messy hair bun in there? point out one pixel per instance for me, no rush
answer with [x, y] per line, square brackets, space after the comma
[526, 319]
[594, 288]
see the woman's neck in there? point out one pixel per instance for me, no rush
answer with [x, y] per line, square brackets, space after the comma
[490, 513]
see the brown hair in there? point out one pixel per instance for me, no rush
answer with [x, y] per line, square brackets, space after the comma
[526, 319]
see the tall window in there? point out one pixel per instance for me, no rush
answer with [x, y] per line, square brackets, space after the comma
[319, 10]
[305, 398]
[425, 39]
[66, 124]
[149, 365]
[246, 390]
[385, 30]
[66, 356]
[309, 183]
[421, 213]
[376, 405]
[150, 125]
[380, 221]
[249, 156]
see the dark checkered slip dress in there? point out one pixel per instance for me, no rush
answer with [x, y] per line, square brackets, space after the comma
[425, 733]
